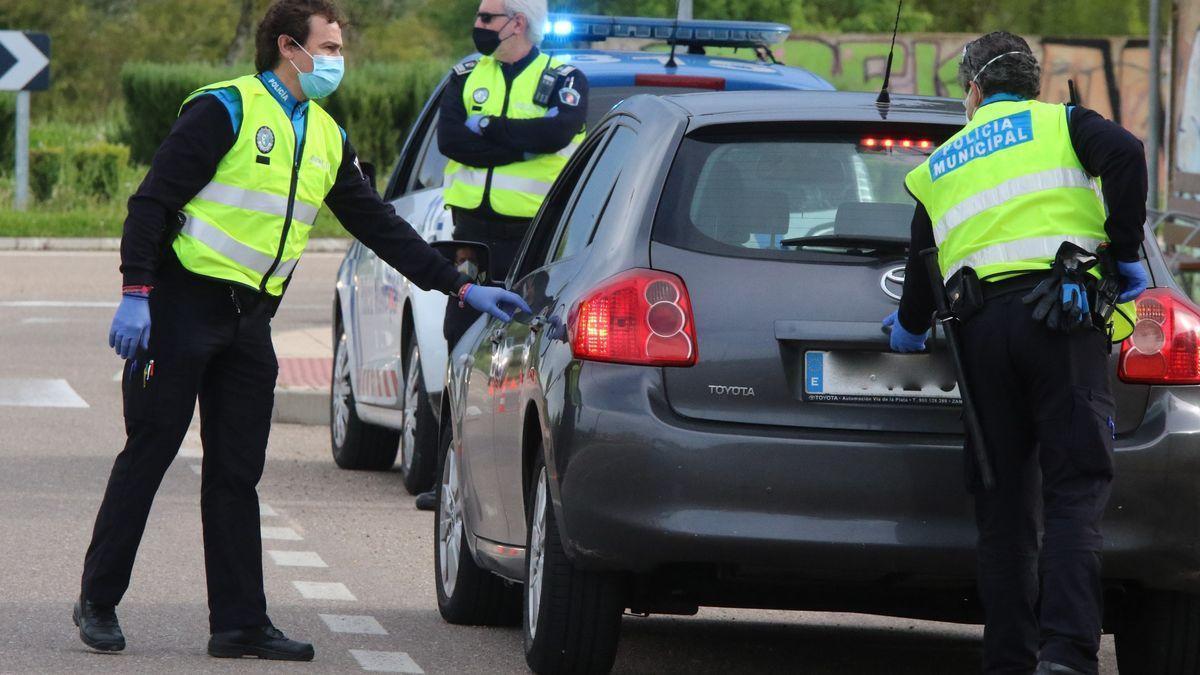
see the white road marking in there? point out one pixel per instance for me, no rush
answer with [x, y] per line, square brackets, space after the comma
[119, 375]
[324, 590]
[196, 468]
[266, 510]
[297, 559]
[360, 625]
[40, 320]
[31, 393]
[386, 662]
[190, 452]
[56, 303]
[280, 533]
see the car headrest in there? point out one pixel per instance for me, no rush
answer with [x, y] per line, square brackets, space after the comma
[879, 219]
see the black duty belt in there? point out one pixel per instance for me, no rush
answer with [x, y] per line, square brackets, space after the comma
[1021, 283]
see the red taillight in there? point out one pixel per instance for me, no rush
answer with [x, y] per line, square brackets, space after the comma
[640, 316]
[894, 143]
[1165, 345]
[683, 81]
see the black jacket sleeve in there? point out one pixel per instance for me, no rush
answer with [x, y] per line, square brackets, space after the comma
[184, 163]
[458, 142]
[364, 214]
[544, 135]
[916, 303]
[1108, 150]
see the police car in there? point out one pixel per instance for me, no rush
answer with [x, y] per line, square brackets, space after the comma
[390, 356]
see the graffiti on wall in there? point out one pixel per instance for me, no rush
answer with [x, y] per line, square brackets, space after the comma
[1111, 74]
[1184, 187]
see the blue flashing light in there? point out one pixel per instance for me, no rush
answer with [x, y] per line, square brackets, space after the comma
[702, 33]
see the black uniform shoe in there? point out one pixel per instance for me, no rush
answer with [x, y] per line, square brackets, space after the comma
[427, 501]
[265, 642]
[1048, 668]
[98, 627]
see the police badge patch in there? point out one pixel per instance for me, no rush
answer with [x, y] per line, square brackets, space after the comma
[568, 96]
[480, 95]
[264, 139]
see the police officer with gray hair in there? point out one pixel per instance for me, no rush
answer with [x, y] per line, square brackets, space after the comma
[1012, 203]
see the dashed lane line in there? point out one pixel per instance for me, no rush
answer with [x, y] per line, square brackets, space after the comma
[324, 590]
[266, 511]
[32, 393]
[297, 559]
[280, 533]
[358, 625]
[386, 662]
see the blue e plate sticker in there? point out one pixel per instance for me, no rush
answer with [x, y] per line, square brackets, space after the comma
[983, 140]
[814, 375]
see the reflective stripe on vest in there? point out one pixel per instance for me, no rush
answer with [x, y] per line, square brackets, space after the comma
[216, 239]
[262, 202]
[250, 224]
[1021, 249]
[516, 189]
[1010, 189]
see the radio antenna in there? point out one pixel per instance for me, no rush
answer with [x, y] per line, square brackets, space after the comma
[674, 38]
[884, 97]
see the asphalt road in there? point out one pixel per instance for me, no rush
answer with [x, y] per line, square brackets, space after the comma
[375, 550]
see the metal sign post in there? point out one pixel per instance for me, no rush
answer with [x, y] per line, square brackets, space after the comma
[24, 67]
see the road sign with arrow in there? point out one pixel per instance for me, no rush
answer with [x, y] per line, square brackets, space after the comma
[24, 67]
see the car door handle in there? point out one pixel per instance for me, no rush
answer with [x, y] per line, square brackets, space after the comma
[497, 336]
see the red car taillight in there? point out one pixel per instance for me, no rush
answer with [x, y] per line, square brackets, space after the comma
[1165, 345]
[640, 316]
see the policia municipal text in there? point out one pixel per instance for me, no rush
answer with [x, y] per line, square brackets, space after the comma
[508, 122]
[999, 199]
[212, 238]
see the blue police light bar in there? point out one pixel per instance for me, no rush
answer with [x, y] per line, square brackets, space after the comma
[700, 33]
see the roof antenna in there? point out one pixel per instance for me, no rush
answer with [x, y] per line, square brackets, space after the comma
[884, 97]
[674, 38]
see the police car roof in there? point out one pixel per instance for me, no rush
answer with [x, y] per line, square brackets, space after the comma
[706, 109]
[607, 68]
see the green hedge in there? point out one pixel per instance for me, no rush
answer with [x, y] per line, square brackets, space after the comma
[45, 171]
[98, 169]
[375, 104]
[8, 130]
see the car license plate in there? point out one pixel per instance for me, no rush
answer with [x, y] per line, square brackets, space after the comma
[879, 378]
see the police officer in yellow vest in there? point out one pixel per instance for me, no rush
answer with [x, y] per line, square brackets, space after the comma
[212, 238]
[508, 121]
[999, 198]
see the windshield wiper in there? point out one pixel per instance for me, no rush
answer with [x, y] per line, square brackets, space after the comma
[850, 242]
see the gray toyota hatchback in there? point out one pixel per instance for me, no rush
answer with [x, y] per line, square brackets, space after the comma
[703, 409]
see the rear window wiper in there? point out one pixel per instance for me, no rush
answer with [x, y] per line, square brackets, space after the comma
[849, 242]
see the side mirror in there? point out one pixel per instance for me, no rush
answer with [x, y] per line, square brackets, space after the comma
[470, 257]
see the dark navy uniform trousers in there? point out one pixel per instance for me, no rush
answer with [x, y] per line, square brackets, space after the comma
[1047, 416]
[209, 341]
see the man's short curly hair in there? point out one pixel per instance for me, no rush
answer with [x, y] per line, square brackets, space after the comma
[288, 17]
[1012, 73]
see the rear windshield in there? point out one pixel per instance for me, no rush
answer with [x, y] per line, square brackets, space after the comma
[744, 194]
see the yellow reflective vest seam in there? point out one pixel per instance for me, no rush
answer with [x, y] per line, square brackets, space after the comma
[250, 224]
[516, 189]
[1007, 190]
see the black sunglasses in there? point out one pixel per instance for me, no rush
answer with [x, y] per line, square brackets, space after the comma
[488, 17]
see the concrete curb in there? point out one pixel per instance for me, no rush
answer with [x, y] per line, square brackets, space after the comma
[301, 405]
[326, 245]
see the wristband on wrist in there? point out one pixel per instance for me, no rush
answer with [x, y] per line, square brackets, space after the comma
[142, 291]
[462, 294]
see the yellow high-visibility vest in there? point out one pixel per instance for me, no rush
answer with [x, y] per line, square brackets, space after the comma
[1007, 190]
[250, 224]
[516, 189]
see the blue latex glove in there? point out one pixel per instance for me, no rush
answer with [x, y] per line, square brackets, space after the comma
[473, 124]
[553, 112]
[494, 301]
[1134, 280]
[902, 340]
[130, 326]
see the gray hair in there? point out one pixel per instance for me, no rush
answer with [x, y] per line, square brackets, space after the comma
[535, 15]
[1001, 62]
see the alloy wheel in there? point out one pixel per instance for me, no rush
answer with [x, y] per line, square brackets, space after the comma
[341, 393]
[450, 525]
[408, 437]
[537, 555]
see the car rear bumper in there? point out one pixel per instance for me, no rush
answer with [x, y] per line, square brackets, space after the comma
[641, 488]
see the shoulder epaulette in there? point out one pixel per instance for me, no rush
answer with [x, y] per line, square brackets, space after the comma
[465, 67]
[565, 70]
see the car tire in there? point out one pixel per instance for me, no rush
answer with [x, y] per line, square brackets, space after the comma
[572, 617]
[1159, 632]
[466, 593]
[356, 444]
[419, 435]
